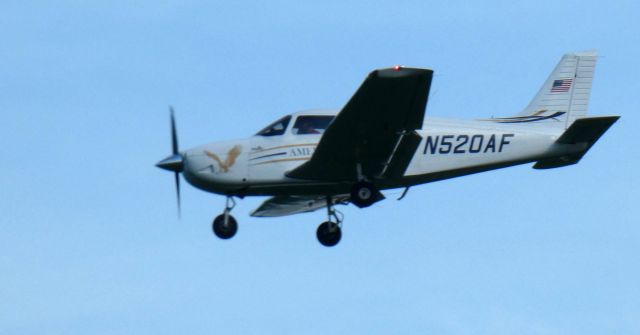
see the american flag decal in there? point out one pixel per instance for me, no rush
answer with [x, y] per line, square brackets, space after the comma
[561, 85]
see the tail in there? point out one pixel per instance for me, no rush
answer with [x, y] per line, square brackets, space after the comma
[565, 94]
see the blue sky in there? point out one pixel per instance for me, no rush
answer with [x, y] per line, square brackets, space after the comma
[90, 241]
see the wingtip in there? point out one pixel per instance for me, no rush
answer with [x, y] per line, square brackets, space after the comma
[399, 71]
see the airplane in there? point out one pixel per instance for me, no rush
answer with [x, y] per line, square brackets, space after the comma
[382, 140]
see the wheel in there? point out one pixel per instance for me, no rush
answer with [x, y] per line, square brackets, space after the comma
[222, 230]
[329, 237]
[363, 194]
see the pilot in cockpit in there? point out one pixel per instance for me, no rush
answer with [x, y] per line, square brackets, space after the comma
[307, 128]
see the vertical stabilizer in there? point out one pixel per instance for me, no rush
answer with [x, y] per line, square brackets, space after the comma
[564, 97]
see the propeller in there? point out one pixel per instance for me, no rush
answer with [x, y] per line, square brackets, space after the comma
[175, 161]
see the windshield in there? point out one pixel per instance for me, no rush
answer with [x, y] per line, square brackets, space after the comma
[276, 128]
[312, 124]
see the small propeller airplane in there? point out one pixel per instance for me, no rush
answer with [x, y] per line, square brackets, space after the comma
[381, 140]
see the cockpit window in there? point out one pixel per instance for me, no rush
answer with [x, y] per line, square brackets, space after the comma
[312, 124]
[276, 128]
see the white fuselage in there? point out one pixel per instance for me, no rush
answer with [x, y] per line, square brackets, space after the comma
[449, 148]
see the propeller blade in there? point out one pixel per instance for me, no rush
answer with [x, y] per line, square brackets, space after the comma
[175, 161]
[174, 136]
[177, 174]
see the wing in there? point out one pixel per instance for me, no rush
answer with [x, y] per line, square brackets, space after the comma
[374, 130]
[294, 204]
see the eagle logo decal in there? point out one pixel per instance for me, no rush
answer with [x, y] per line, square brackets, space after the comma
[232, 155]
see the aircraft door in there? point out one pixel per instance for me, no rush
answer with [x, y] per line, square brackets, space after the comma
[267, 149]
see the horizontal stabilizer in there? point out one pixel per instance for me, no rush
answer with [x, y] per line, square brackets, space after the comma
[586, 132]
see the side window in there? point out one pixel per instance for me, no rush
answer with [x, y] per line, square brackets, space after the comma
[276, 128]
[311, 124]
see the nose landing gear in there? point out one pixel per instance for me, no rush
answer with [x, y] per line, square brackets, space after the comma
[224, 225]
[330, 232]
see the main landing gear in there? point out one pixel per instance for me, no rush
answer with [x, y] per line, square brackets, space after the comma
[329, 232]
[363, 194]
[224, 225]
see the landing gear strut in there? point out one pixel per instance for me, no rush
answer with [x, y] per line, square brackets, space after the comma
[329, 232]
[224, 225]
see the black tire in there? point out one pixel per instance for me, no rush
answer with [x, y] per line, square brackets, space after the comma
[327, 237]
[224, 231]
[363, 194]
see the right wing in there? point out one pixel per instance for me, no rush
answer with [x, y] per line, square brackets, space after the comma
[293, 204]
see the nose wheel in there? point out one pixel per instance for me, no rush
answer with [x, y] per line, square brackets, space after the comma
[224, 225]
[329, 233]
